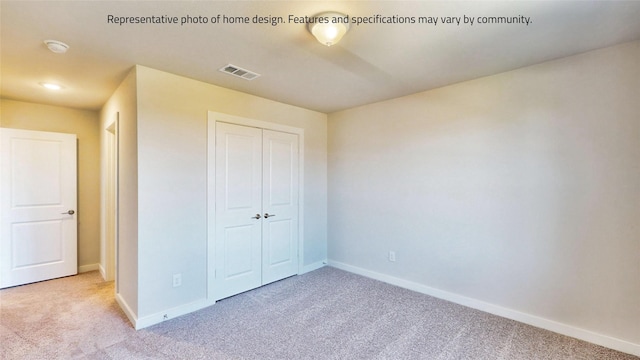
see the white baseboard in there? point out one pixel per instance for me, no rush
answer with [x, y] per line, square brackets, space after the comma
[103, 273]
[127, 310]
[564, 329]
[314, 266]
[149, 320]
[88, 267]
[171, 313]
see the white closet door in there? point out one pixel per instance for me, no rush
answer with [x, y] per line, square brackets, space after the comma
[256, 205]
[238, 244]
[38, 220]
[280, 206]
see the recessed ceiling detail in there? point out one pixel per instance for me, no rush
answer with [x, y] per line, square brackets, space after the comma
[239, 72]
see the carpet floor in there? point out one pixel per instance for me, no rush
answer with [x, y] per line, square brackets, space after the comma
[324, 314]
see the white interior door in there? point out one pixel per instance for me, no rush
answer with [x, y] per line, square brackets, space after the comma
[38, 223]
[256, 221]
[238, 246]
[280, 206]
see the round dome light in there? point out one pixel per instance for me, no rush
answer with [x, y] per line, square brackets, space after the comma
[329, 33]
[56, 46]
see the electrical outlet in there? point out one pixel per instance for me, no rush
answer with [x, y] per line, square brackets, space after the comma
[177, 280]
[392, 256]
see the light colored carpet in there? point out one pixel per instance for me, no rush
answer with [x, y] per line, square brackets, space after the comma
[325, 314]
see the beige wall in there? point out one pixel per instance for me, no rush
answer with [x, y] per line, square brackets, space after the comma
[519, 190]
[163, 185]
[85, 124]
[123, 105]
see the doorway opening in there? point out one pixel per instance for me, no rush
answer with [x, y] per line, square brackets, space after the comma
[109, 248]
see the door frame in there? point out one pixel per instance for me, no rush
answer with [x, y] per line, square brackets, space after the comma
[212, 118]
[109, 239]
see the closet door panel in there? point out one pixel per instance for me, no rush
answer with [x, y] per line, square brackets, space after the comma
[280, 206]
[238, 229]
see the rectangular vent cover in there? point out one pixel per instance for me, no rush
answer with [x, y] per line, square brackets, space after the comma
[239, 72]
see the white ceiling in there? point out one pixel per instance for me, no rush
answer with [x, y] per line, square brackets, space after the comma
[373, 62]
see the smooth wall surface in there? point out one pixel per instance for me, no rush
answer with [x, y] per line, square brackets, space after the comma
[123, 103]
[172, 181]
[83, 123]
[520, 189]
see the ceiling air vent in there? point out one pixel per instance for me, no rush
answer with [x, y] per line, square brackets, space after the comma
[239, 72]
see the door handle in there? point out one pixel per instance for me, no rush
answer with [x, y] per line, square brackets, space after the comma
[70, 212]
[256, 217]
[267, 215]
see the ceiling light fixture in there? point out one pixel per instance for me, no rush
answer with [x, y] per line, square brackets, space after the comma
[56, 46]
[329, 33]
[51, 86]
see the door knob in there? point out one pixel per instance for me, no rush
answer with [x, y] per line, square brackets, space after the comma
[256, 217]
[267, 215]
[70, 212]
